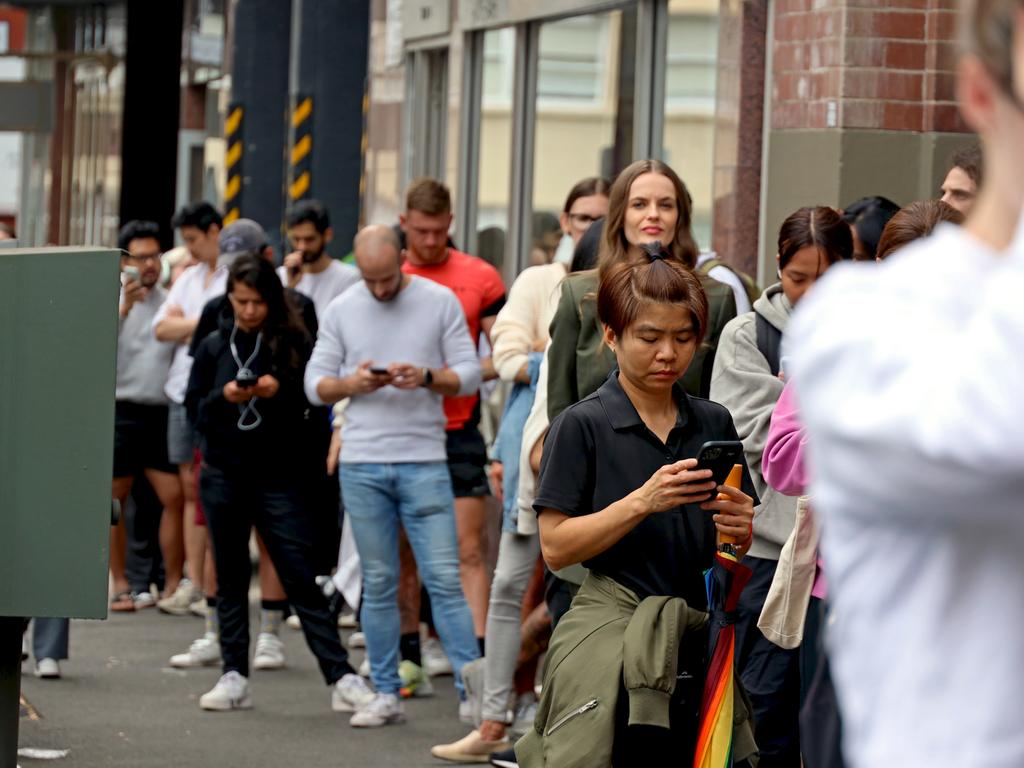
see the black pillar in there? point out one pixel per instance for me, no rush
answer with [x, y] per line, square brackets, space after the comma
[152, 96]
[329, 65]
[259, 86]
[10, 688]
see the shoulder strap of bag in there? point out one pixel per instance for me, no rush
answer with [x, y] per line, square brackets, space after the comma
[769, 342]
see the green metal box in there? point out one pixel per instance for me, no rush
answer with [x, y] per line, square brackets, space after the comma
[58, 361]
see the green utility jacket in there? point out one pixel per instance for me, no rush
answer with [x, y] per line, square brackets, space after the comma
[610, 636]
[579, 361]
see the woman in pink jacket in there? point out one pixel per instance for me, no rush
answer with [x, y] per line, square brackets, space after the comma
[784, 470]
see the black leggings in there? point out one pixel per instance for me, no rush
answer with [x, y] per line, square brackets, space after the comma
[233, 505]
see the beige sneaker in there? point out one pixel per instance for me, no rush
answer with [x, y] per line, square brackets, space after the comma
[178, 604]
[470, 749]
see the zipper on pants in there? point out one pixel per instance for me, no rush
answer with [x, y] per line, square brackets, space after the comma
[592, 704]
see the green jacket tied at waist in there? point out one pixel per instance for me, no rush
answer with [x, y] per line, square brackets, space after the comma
[609, 637]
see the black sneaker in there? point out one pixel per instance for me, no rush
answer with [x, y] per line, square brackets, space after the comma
[504, 759]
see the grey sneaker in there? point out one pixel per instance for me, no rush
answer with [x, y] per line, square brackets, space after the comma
[471, 709]
[383, 709]
[350, 693]
[230, 692]
[526, 713]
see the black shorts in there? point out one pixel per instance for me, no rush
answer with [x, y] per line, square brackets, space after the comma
[140, 439]
[467, 462]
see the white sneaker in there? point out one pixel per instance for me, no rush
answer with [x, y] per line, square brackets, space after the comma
[383, 709]
[48, 669]
[203, 652]
[178, 604]
[200, 608]
[356, 640]
[230, 692]
[466, 712]
[269, 652]
[293, 622]
[350, 694]
[143, 600]
[364, 667]
[435, 661]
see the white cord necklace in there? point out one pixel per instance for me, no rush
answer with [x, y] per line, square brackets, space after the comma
[245, 372]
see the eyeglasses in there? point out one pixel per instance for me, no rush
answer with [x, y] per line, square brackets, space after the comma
[582, 221]
[146, 257]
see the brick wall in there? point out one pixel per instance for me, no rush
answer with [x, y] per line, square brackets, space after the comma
[865, 64]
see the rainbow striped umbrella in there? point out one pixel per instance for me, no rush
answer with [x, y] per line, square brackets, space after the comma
[725, 581]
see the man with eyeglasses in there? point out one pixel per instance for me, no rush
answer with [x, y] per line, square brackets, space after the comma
[140, 434]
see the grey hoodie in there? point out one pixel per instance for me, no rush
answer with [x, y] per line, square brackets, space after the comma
[743, 383]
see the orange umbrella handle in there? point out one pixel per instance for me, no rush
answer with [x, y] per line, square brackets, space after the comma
[735, 480]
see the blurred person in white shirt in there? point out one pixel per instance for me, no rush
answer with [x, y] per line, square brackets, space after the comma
[909, 378]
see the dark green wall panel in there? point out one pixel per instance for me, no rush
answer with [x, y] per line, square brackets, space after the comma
[58, 348]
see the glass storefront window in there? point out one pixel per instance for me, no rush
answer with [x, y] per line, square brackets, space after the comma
[584, 68]
[453, 107]
[382, 193]
[690, 72]
[495, 145]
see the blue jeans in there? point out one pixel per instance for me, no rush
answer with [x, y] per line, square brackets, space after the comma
[509, 442]
[377, 498]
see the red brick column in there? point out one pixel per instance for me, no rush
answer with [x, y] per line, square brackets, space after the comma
[865, 64]
[739, 125]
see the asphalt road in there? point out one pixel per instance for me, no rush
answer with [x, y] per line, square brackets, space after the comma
[119, 704]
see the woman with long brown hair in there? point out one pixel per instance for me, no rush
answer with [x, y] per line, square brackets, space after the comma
[648, 203]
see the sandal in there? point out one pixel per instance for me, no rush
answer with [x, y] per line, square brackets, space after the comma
[122, 602]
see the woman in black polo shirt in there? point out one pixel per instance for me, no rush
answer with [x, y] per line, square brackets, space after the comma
[619, 492]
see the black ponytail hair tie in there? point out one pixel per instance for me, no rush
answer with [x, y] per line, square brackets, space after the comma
[655, 251]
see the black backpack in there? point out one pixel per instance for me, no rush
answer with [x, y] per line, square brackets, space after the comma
[769, 342]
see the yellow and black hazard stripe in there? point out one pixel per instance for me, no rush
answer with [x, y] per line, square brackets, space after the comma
[302, 149]
[233, 163]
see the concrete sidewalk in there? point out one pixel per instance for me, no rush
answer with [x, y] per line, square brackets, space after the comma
[119, 704]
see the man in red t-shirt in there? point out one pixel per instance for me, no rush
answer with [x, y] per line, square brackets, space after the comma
[480, 290]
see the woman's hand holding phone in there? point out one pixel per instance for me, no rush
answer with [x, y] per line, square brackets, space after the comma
[235, 394]
[266, 387]
[674, 485]
[734, 515]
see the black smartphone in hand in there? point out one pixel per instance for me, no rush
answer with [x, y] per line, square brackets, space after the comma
[719, 456]
[246, 379]
[379, 371]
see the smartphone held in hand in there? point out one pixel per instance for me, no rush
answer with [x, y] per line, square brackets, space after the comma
[720, 456]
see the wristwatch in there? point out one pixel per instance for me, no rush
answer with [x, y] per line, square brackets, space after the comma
[428, 377]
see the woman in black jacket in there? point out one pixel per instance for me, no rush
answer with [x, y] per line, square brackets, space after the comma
[246, 403]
